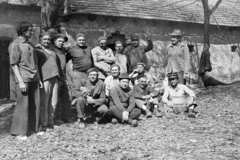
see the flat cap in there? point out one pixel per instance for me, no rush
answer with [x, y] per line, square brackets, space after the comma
[134, 37]
[92, 70]
[176, 32]
[124, 76]
[44, 34]
[61, 36]
[79, 35]
[141, 75]
[140, 63]
[118, 42]
[172, 75]
[101, 38]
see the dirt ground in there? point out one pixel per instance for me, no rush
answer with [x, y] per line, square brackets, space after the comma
[214, 134]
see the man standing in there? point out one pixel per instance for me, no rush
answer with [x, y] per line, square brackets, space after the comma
[64, 103]
[122, 104]
[137, 53]
[103, 57]
[176, 100]
[146, 97]
[178, 56]
[91, 98]
[121, 58]
[24, 61]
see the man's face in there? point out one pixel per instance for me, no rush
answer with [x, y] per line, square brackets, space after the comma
[45, 41]
[28, 33]
[81, 41]
[128, 41]
[53, 32]
[103, 44]
[119, 48]
[59, 42]
[92, 76]
[124, 83]
[173, 82]
[142, 82]
[175, 39]
[141, 69]
[135, 42]
[115, 71]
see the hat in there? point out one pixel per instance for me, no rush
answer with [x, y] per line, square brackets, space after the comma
[124, 76]
[118, 42]
[134, 37]
[172, 75]
[101, 38]
[115, 65]
[80, 35]
[140, 63]
[127, 37]
[61, 36]
[141, 75]
[44, 34]
[176, 32]
[92, 70]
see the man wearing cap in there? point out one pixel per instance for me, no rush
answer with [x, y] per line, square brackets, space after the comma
[178, 98]
[49, 75]
[64, 103]
[103, 57]
[140, 70]
[122, 103]
[91, 98]
[137, 53]
[121, 58]
[146, 97]
[178, 56]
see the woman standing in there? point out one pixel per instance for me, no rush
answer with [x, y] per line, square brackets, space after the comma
[49, 74]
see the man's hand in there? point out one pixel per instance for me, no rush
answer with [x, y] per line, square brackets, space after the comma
[190, 101]
[22, 86]
[90, 100]
[148, 97]
[151, 100]
[144, 107]
[40, 84]
[170, 104]
[125, 115]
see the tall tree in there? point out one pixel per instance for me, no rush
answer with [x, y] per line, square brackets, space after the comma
[205, 63]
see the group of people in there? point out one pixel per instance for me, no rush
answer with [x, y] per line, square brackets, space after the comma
[105, 84]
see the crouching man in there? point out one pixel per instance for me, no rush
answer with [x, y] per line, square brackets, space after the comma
[90, 98]
[178, 98]
[146, 97]
[122, 103]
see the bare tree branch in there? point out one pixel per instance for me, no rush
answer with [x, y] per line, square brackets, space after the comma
[215, 6]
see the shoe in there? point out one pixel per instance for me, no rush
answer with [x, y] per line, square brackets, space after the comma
[22, 137]
[134, 123]
[148, 114]
[114, 121]
[81, 125]
[49, 126]
[58, 122]
[191, 114]
[41, 133]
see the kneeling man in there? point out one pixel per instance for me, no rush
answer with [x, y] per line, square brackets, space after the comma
[91, 98]
[122, 103]
[178, 98]
[145, 96]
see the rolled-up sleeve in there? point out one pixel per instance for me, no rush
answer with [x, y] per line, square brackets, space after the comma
[15, 54]
[165, 95]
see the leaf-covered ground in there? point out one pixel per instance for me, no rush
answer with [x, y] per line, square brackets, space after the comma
[214, 134]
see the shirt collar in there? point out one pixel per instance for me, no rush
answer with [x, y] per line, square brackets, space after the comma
[22, 39]
[177, 88]
[176, 45]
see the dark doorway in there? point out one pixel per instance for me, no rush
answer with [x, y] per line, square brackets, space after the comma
[116, 36]
[4, 67]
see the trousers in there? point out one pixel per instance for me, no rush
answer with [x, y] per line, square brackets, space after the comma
[26, 114]
[49, 100]
[117, 113]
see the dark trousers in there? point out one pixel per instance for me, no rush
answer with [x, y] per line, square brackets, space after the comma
[64, 103]
[83, 108]
[27, 110]
[117, 113]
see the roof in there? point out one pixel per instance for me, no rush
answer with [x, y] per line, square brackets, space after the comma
[227, 14]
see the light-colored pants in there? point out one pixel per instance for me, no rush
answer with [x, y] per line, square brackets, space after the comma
[49, 100]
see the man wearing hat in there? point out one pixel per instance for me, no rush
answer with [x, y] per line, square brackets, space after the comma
[103, 57]
[178, 56]
[64, 103]
[121, 58]
[91, 98]
[137, 53]
[146, 97]
[122, 103]
[178, 98]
